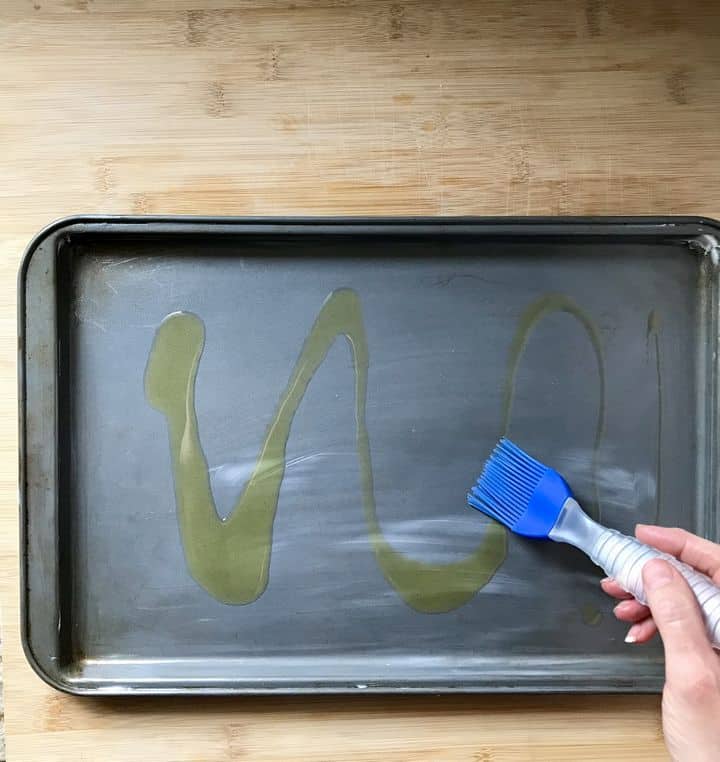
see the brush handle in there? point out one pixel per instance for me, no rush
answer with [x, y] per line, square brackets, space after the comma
[623, 558]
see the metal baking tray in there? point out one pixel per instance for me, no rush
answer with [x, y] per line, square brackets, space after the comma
[245, 446]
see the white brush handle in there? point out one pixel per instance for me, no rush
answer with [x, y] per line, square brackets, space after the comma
[623, 558]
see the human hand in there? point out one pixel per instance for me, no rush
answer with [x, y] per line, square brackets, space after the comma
[691, 696]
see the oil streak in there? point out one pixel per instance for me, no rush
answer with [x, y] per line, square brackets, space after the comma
[230, 558]
[653, 335]
[533, 315]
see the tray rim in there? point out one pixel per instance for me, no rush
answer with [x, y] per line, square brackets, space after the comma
[675, 226]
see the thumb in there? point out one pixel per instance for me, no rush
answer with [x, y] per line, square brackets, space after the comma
[677, 616]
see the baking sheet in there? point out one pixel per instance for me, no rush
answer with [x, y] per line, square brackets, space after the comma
[246, 446]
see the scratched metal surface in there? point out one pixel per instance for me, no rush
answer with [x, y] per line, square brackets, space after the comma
[110, 604]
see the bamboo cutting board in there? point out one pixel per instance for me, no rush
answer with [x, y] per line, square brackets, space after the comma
[339, 107]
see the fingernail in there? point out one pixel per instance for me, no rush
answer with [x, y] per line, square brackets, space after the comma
[656, 573]
[618, 607]
[630, 638]
[605, 579]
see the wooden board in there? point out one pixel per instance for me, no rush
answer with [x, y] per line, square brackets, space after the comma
[335, 106]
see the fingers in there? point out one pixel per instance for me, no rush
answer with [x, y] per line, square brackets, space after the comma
[642, 631]
[702, 554]
[612, 588]
[677, 616]
[677, 605]
[631, 611]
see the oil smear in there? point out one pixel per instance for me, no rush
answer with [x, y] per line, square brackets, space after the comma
[591, 616]
[230, 558]
[533, 315]
[529, 320]
[653, 339]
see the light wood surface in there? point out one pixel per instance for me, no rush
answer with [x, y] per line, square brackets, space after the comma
[339, 107]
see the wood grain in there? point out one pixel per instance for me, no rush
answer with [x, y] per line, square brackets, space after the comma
[339, 107]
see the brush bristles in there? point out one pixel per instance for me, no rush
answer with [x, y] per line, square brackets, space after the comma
[507, 483]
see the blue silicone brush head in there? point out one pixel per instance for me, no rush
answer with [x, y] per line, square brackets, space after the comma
[519, 491]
